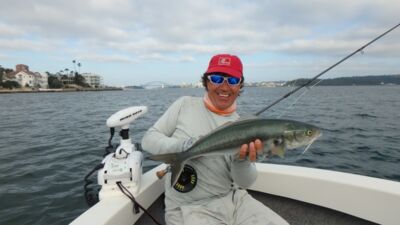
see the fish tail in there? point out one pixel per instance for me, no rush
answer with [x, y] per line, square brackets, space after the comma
[175, 162]
[176, 170]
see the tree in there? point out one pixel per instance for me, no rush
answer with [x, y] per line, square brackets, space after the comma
[80, 80]
[74, 62]
[2, 71]
[54, 82]
[11, 84]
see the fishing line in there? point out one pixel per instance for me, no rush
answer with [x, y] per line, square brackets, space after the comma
[309, 145]
[287, 108]
[326, 70]
[298, 98]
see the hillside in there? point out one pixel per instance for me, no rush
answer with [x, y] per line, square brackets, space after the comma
[355, 80]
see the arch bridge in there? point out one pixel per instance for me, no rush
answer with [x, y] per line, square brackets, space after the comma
[156, 84]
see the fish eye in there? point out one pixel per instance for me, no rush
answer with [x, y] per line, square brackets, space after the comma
[309, 132]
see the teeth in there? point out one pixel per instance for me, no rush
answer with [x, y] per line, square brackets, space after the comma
[223, 95]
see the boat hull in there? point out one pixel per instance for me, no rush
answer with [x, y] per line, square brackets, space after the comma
[323, 191]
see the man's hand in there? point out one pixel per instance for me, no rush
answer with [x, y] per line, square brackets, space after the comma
[251, 149]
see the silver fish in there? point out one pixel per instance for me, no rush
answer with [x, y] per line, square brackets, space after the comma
[277, 136]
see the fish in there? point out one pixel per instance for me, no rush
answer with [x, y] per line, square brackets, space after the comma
[277, 135]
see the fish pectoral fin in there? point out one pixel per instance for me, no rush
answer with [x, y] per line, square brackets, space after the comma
[276, 147]
[278, 150]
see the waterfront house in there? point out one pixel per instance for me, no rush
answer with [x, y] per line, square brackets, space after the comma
[41, 80]
[27, 78]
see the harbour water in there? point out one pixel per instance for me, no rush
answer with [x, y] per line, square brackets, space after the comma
[50, 141]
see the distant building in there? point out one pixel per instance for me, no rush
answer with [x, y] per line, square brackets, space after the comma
[41, 80]
[93, 80]
[198, 84]
[265, 84]
[66, 80]
[27, 78]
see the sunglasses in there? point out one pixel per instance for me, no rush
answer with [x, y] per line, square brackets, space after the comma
[219, 79]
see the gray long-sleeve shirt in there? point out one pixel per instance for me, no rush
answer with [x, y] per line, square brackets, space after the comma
[217, 175]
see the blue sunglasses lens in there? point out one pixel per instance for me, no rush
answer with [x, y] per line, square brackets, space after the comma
[233, 80]
[218, 79]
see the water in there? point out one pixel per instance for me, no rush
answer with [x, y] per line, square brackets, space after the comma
[50, 141]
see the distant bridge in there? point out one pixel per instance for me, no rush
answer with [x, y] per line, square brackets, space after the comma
[157, 84]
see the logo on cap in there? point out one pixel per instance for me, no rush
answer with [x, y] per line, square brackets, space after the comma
[224, 61]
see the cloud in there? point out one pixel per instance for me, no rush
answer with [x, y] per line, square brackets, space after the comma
[132, 32]
[23, 45]
[160, 57]
[9, 31]
[112, 58]
[3, 57]
[158, 27]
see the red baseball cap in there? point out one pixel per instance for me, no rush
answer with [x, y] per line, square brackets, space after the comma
[225, 63]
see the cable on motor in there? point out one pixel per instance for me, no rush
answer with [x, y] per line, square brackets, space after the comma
[136, 205]
[91, 194]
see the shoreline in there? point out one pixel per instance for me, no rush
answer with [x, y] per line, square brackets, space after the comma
[8, 91]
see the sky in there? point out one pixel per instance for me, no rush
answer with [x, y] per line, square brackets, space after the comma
[130, 42]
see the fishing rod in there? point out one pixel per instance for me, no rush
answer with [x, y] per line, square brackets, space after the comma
[323, 72]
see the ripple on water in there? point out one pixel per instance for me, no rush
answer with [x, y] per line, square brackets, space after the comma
[43, 165]
[364, 115]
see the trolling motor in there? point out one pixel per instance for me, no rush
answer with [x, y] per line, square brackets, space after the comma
[122, 168]
[125, 164]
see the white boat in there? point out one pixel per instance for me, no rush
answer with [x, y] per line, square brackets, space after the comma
[300, 195]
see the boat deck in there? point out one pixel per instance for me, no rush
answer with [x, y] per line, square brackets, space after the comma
[295, 212]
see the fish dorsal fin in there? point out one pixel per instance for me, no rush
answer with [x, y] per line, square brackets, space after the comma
[223, 126]
[241, 118]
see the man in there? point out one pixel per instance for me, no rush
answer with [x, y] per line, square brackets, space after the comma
[209, 190]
